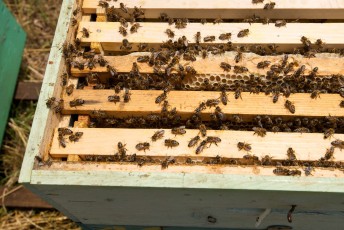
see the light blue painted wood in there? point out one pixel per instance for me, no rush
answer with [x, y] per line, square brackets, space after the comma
[43, 116]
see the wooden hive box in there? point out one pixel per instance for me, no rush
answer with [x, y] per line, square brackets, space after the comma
[222, 186]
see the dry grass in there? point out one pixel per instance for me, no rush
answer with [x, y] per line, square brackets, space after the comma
[38, 18]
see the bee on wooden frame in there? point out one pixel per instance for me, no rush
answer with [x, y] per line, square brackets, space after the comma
[76, 102]
[69, 89]
[85, 33]
[123, 7]
[329, 133]
[244, 146]
[178, 130]
[123, 31]
[217, 21]
[225, 66]
[213, 140]
[209, 39]
[59, 107]
[194, 141]
[158, 135]
[290, 106]
[62, 141]
[170, 143]
[103, 4]
[165, 163]
[240, 69]
[223, 96]
[127, 96]
[76, 136]
[263, 64]
[280, 23]
[212, 102]
[143, 146]
[121, 150]
[134, 27]
[114, 98]
[259, 131]
[243, 33]
[257, 1]
[169, 33]
[50, 102]
[269, 6]
[201, 147]
[198, 37]
[125, 45]
[238, 57]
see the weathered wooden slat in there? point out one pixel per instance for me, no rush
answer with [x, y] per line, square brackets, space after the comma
[211, 65]
[142, 103]
[234, 9]
[103, 141]
[286, 38]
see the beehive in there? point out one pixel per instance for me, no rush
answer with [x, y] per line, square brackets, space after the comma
[221, 186]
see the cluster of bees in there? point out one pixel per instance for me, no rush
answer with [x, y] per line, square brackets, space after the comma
[284, 78]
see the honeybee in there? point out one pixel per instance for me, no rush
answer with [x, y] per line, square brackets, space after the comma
[243, 33]
[125, 45]
[198, 37]
[127, 96]
[76, 136]
[166, 162]
[85, 33]
[123, 31]
[259, 131]
[224, 97]
[171, 143]
[305, 41]
[291, 154]
[269, 6]
[179, 130]
[212, 140]
[237, 93]
[62, 141]
[244, 146]
[209, 39]
[238, 57]
[240, 69]
[181, 23]
[143, 146]
[123, 7]
[201, 147]
[142, 46]
[194, 141]
[203, 130]
[121, 149]
[161, 98]
[212, 102]
[217, 21]
[158, 135]
[190, 70]
[64, 131]
[280, 171]
[263, 64]
[225, 36]
[163, 17]
[319, 43]
[50, 102]
[329, 133]
[266, 160]
[280, 23]
[59, 107]
[237, 119]
[257, 1]
[142, 59]
[169, 33]
[329, 153]
[76, 102]
[315, 94]
[290, 106]
[114, 98]
[69, 89]
[225, 66]
[338, 144]
[134, 27]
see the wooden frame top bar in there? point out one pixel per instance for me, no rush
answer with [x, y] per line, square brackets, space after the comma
[142, 103]
[234, 9]
[286, 38]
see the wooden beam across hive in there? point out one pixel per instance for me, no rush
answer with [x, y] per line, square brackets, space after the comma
[211, 65]
[142, 103]
[234, 9]
[286, 38]
[103, 141]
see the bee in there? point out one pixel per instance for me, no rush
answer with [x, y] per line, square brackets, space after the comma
[76, 102]
[125, 45]
[64, 131]
[302, 130]
[341, 104]
[237, 93]
[263, 64]
[290, 106]
[329, 133]
[237, 119]
[259, 131]
[329, 153]
[161, 98]
[190, 70]
[238, 57]
[240, 69]
[209, 39]
[134, 27]
[212, 140]
[142, 59]
[50, 102]
[69, 89]
[291, 154]
[64, 79]
[179, 130]
[212, 102]
[171, 143]
[123, 7]
[169, 33]
[217, 21]
[198, 37]
[225, 66]
[203, 21]
[280, 23]
[114, 98]
[194, 141]
[338, 144]
[201, 147]
[204, 53]
[62, 141]
[305, 41]
[85, 33]
[280, 171]
[244, 146]
[126, 97]
[266, 160]
[224, 97]
[143, 146]
[166, 162]
[111, 70]
[269, 6]
[59, 107]
[73, 22]
[202, 129]
[319, 43]
[219, 114]
[163, 17]
[158, 135]
[257, 1]
[289, 68]
[202, 106]
[123, 31]
[142, 46]
[315, 94]
[76, 136]
[243, 33]
[181, 23]
[225, 36]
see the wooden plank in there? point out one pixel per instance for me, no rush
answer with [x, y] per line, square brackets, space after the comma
[211, 65]
[28, 90]
[39, 141]
[21, 198]
[142, 103]
[234, 9]
[102, 141]
[286, 38]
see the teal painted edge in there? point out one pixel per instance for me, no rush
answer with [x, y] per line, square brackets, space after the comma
[12, 43]
[41, 119]
[188, 180]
